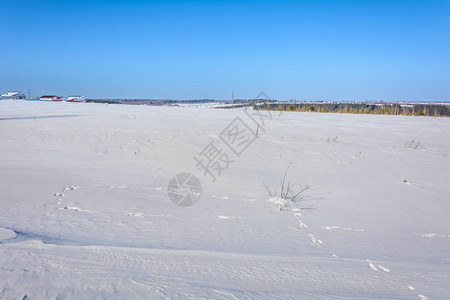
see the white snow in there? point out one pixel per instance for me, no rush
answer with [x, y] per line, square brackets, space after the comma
[84, 209]
[6, 234]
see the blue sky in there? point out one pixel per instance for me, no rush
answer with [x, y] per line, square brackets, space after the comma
[314, 50]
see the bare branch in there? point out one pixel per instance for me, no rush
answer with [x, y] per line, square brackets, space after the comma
[287, 193]
[298, 194]
[282, 189]
[268, 190]
[283, 205]
[284, 178]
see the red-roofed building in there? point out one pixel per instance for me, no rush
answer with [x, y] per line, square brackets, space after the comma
[51, 98]
[78, 98]
[12, 96]
[48, 97]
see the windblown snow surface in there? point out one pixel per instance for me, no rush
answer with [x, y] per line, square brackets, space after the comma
[85, 213]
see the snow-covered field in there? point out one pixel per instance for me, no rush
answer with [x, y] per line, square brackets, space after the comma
[85, 213]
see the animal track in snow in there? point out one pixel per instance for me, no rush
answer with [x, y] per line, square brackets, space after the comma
[115, 187]
[159, 215]
[314, 239]
[331, 227]
[224, 198]
[135, 214]
[301, 224]
[371, 265]
[69, 188]
[75, 208]
[138, 214]
[296, 214]
[384, 268]
[229, 217]
[101, 152]
[422, 297]
[246, 199]
[60, 199]
[433, 235]
[344, 228]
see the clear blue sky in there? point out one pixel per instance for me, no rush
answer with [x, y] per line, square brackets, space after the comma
[315, 50]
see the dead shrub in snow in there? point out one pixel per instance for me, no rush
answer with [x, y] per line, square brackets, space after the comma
[330, 139]
[287, 194]
[411, 144]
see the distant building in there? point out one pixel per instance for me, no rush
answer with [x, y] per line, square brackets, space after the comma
[75, 99]
[13, 95]
[49, 98]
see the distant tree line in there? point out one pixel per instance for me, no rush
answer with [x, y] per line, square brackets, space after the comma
[434, 110]
[147, 101]
[108, 101]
